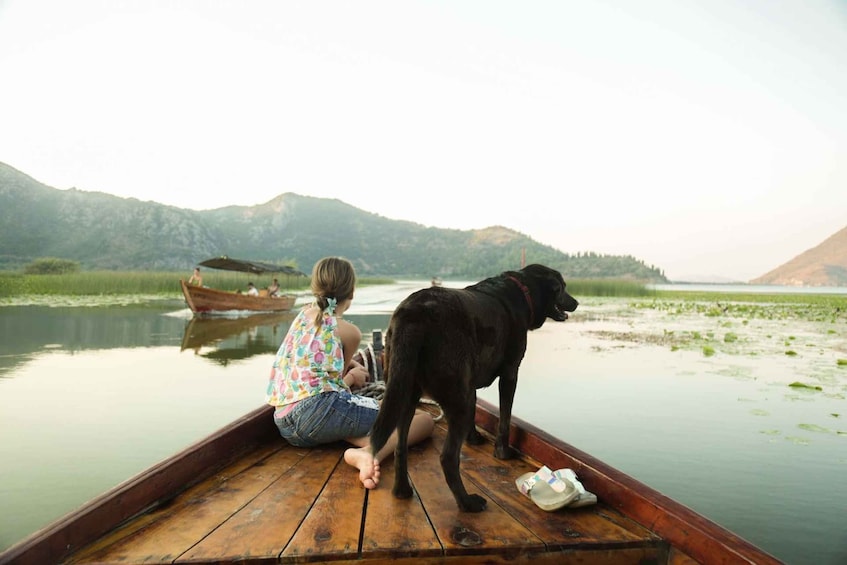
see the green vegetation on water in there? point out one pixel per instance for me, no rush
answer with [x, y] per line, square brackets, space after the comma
[749, 306]
[608, 287]
[730, 309]
[110, 283]
[739, 299]
[798, 384]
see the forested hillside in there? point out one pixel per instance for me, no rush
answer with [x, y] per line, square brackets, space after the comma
[107, 232]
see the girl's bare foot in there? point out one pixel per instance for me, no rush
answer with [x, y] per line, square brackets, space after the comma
[362, 459]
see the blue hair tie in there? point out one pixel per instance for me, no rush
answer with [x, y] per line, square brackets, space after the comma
[330, 306]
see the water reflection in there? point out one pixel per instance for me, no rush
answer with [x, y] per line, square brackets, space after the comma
[222, 339]
[226, 339]
[32, 330]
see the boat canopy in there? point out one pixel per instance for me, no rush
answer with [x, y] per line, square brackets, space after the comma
[225, 263]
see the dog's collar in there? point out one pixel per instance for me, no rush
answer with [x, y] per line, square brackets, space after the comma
[525, 290]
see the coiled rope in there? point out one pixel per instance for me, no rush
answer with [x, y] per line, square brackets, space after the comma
[376, 389]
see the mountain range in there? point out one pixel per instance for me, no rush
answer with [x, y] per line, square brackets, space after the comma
[106, 232]
[102, 231]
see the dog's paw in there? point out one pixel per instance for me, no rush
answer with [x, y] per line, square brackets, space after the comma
[402, 490]
[505, 452]
[472, 503]
[474, 438]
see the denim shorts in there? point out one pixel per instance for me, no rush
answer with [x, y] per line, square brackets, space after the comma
[328, 417]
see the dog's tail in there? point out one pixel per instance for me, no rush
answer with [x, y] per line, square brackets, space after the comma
[402, 388]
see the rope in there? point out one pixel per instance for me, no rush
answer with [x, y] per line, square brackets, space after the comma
[372, 390]
[377, 366]
[376, 390]
[365, 361]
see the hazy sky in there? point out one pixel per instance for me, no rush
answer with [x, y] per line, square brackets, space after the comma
[706, 138]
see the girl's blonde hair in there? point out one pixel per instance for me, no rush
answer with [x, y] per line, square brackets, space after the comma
[332, 278]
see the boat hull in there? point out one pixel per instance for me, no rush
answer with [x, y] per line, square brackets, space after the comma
[216, 501]
[208, 300]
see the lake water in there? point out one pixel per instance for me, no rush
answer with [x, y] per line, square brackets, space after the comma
[91, 395]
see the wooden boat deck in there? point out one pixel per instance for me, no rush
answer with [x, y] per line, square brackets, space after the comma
[274, 503]
[284, 504]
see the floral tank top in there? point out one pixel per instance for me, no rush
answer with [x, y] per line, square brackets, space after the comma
[310, 361]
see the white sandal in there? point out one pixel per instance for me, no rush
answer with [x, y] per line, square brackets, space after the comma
[548, 491]
[585, 498]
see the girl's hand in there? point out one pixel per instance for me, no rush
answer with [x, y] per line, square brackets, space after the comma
[356, 375]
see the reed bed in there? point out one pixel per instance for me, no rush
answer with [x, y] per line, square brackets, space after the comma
[608, 287]
[165, 284]
[106, 283]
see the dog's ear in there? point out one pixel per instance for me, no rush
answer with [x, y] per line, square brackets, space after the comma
[560, 283]
[554, 279]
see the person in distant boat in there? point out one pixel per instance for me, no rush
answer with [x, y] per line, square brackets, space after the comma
[273, 290]
[313, 373]
[196, 279]
[252, 290]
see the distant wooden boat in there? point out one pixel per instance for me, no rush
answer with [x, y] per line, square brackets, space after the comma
[244, 495]
[202, 299]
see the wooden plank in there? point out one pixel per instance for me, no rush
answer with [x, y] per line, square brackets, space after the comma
[260, 530]
[694, 534]
[397, 528]
[492, 531]
[130, 528]
[331, 530]
[676, 557]
[627, 556]
[194, 518]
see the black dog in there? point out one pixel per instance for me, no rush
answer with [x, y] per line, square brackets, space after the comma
[449, 342]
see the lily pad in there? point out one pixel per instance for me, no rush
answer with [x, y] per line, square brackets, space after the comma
[814, 428]
[798, 440]
[798, 384]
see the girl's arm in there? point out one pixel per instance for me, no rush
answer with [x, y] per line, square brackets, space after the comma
[351, 337]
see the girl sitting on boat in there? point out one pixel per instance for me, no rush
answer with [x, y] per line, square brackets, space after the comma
[314, 371]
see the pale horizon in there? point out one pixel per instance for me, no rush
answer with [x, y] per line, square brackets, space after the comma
[708, 140]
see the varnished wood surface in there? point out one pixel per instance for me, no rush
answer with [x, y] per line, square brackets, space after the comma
[202, 299]
[306, 505]
[274, 503]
